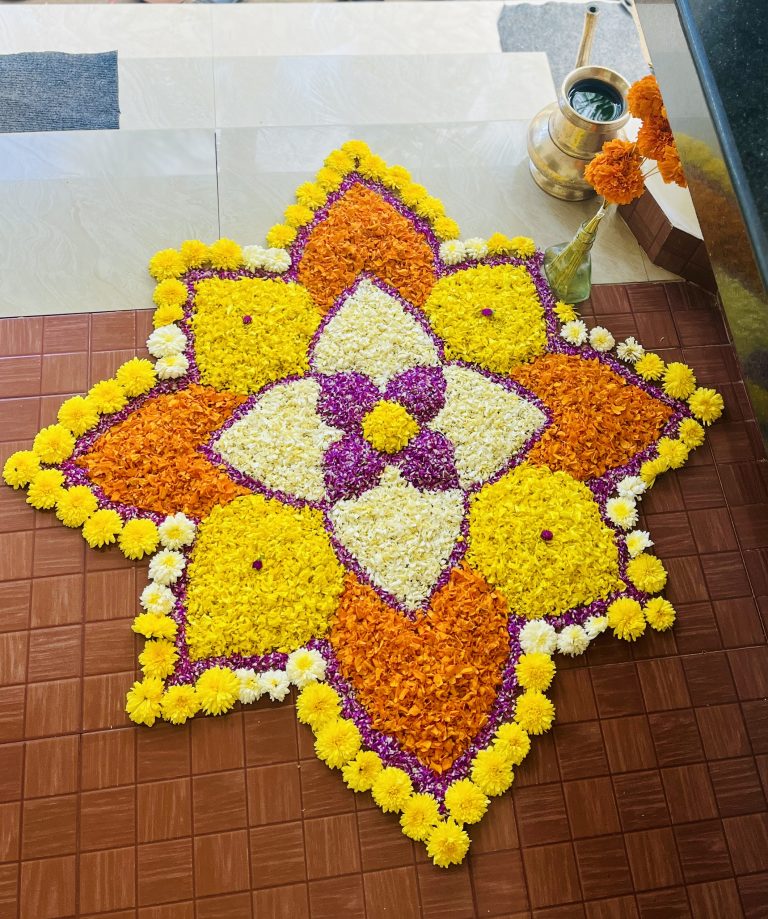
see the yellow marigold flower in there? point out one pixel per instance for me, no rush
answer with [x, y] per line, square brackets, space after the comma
[194, 253]
[419, 817]
[499, 244]
[280, 236]
[167, 263]
[534, 712]
[20, 468]
[226, 254]
[170, 292]
[412, 193]
[136, 376]
[447, 845]
[651, 469]
[647, 573]
[389, 426]
[107, 396]
[143, 701]
[167, 315]
[522, 246]
[673, 453]
[338, 742]
[310, 195]
[75, 505]
[328, 179]
[339, 161]
[102, 528]
[465, 802]
[679, 380]
[296, 215]
[446, 228]
[650, 366]
[179, 704]
[45, 489]
[535, 671]
[53, 444]
[625, 617]
[397, 176]
[492, 770]
[660, 614]
[565, 312]
[359, 773]
[158, 658]
[154, 625]
[138, 538]
[356, 148]
[391, 789]
[317, 705]
[78, 415]
[706, 404]
[512, 740]
[429, 207]
[372, 167]
[691, 433]
[217, 690]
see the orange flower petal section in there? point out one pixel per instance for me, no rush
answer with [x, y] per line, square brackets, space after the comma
[151, 459]
[363, 232]
[430, 682]
[599, 419]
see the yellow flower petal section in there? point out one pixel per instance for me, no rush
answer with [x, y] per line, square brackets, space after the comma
[236, 607]
[251, 331]
[542, 576]
[490, 315]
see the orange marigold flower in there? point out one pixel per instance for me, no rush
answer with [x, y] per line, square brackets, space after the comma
[654, 137]
[615, 172]
[671, 168]
[644, 98]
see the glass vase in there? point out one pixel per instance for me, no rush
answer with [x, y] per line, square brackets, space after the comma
[568, 266]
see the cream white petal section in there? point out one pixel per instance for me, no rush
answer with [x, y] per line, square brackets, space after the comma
[401, 537]
[372, 334]
[282, 440]
[486, 422]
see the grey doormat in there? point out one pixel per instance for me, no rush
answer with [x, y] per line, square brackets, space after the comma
[52, 91]
[556, 29]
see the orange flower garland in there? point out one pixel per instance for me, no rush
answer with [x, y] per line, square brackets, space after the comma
[124, 460]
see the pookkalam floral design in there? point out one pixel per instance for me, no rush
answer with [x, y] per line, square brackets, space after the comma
[380, 467]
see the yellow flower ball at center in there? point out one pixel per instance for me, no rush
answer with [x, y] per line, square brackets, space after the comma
[389, 426]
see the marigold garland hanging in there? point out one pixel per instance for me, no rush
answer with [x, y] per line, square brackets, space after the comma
[379, 464]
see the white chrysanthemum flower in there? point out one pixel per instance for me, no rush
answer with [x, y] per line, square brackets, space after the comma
[601, 339]
[305, 665]
[631, 486]
[172, 366]
[276, 684]
[538, 636]
[594, 626]
[572, 640]
[630, 350]
[452, 251]
[156, 598]
[168, 339]
[251, 687]
[621, 511]
[166, 566]
[574, 332]
[176, 531]
[277, 260]
[476, 248]
[638, 541]
[254, 257]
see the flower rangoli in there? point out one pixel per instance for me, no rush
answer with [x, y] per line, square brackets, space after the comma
[380, 465]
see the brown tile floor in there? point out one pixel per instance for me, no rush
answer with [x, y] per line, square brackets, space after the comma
[648, 799]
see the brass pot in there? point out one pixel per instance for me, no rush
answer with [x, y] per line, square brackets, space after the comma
[561, 141]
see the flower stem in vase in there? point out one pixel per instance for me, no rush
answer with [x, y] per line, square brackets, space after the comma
[568, 266]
